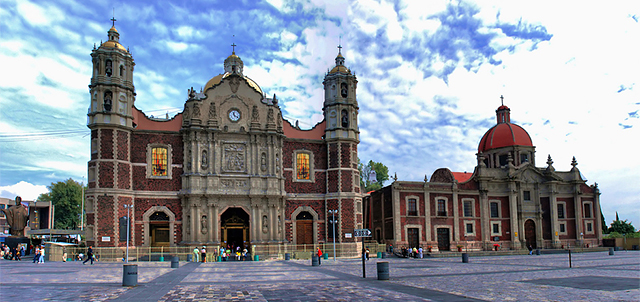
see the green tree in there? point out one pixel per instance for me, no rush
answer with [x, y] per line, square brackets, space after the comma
[622, 227]
[66, 198]
[382, 175]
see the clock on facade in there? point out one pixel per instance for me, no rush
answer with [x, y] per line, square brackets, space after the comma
[234, 115]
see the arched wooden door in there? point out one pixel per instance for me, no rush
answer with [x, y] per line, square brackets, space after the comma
[304, 228]
[530, 233]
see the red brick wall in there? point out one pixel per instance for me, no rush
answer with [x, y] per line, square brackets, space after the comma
[144, 204]
[106, 144]
[104, 220]
[124, 173]
[140, 140]
[105, 170]
[345, 161]
[142, 183]
[316, 205]
[333, 181]
[123, 145]
[318, 149]
[333, 155]
[347, 181]
[348, 223]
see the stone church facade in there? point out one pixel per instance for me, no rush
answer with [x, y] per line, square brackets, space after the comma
[506, 202]
[228, 168]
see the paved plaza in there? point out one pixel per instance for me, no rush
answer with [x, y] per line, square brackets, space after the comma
[595, 276]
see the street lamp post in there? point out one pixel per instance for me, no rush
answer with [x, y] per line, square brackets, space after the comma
[333, 222]
[128, 207]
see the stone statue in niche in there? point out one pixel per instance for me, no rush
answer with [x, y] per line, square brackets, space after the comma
[277, 165]
[343, 90]
[203, 224]
[212, 110]
[279, 121]
[254, 114]
[185, 113]
[279, 225]
[265, 224]
[205, 159]
[270, 116]
[234, 83]
[196, 110]
[263, 162]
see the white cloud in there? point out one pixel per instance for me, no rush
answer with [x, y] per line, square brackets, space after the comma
[23, 189]
[37, 15]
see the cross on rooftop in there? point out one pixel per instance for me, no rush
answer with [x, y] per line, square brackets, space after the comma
[234, 47]
[113, 19]
[339, 49]
[502, 100]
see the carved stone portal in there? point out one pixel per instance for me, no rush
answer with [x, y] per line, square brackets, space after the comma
[234, 158]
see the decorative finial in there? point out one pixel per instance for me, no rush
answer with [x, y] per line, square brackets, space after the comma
[113, 19]
[233, 46]
[425, 178]
[574, 163]
[502, 100]
[395, 176]
[549, 160]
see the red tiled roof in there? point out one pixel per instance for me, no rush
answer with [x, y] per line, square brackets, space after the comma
[462, 176]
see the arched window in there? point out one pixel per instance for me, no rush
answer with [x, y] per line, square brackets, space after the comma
[108, 68]
[304, 216]
[107, 100]
[345, 119]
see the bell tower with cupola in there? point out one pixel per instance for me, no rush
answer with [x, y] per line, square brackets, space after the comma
[342, 137]
[110, 119]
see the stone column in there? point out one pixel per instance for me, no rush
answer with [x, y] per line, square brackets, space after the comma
[397, 226]
[456, 217]
[485, 219]
[212, 226]
[427, 215]
[193, 223]
[273, 227]
[215, 217]
[513, 216]
[577, 203]
[597, 212]
[553, 211]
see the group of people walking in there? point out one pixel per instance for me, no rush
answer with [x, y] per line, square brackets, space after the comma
[200, 254]
[414, 252]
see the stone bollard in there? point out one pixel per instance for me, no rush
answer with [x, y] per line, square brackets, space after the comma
[175, 262]
[287, 256]
[383, 270]
[130, 275]
[465, 258]
[611, 252]
[315, 261]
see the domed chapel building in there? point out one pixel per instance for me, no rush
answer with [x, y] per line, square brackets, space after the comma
[507, 202]
[228, 168]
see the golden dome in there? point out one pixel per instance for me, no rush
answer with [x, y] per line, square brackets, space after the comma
[113, 28]
[113, 44]
[340, 68]
[217, 79]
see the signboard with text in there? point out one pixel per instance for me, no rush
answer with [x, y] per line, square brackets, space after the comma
[362, 233]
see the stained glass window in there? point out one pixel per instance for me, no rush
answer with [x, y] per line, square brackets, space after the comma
[159, 161]
[302, 165]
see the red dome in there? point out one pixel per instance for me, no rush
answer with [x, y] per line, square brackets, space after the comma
[504, 135]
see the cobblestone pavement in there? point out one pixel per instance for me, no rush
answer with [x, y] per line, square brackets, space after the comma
[594, 277]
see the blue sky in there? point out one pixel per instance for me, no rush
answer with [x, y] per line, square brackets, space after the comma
[430, 76]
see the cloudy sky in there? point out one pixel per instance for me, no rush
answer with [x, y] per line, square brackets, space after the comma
[430, 77]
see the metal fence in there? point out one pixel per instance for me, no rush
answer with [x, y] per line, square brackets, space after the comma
[264, 251]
